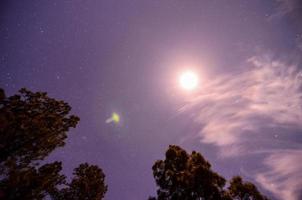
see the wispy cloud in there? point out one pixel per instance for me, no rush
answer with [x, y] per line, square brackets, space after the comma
[284, 177]
[241, 113]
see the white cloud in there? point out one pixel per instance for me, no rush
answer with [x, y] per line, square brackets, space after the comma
[237, 109]
[284, 177]
[268, 95]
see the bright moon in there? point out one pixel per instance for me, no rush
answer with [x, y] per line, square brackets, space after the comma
[188, 80]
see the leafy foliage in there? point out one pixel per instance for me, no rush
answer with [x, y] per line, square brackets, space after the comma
[87, 184]
[183, 176]
[32, 126]
[244, 190]
[29, 182]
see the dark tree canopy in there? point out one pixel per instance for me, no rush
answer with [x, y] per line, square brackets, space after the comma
[30, 183]
[183, 176]
[244, 190]
[88, 183]
[186, 177]
[32, 126]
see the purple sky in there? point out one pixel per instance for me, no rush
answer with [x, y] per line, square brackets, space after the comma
[124, 56]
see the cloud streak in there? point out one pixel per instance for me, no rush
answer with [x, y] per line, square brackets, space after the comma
[284, 177]
[245, 112]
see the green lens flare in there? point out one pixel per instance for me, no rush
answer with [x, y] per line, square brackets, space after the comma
[115, 118]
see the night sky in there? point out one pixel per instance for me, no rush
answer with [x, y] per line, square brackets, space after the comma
[105, 56]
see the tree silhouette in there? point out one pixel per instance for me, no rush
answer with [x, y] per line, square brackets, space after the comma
[32, 126]
[244, 190]
[30, 183]
[88, 183]
[183, 176]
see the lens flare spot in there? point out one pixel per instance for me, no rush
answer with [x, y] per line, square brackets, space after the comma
[115, 118]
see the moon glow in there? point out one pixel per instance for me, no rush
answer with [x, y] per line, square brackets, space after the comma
[188, 80]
